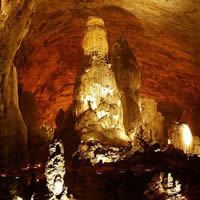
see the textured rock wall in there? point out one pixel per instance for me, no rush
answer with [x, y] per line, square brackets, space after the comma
[163, 35]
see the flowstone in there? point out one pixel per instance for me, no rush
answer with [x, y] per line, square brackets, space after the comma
[55, 172]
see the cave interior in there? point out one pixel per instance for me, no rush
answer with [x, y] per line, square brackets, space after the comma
[118, 77]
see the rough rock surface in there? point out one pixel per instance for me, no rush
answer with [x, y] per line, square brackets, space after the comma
[164, 186]
[15, 18]
[13, 132]
[153, 121]
[164, 36]
[97, 103]
[128, 78]
[55, 172]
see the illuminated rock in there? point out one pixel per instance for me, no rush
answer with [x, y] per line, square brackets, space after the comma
[128, 78]
[97, 103]
[95, 39]
[17, 198]
[55, 172]
[164, 186]
[13, 136]
[181, 137]
[152, 121]
[98, 153]
[49, 57]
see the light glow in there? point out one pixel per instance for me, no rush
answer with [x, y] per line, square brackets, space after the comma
[169, 141]
[101, 114]
[186, 136]
[58, 186]
[17, 198]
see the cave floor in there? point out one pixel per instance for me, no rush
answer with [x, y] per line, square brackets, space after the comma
[140, 177]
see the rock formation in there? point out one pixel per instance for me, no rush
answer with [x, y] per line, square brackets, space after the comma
[13, 132]
[153, 121]
[55, 172]
[180, 137]
[50, 55]
[128, 78]
[164, 186]
[97, 103]
[15, 18]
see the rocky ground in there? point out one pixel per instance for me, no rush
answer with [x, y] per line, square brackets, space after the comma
[128, 179]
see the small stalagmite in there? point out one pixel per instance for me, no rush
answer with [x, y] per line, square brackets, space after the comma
[152, 121]
[55, 172]
[97, 104]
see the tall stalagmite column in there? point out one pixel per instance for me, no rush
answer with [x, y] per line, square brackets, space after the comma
[97, 104]
[15, 19]
[128, 78]
[13, 132]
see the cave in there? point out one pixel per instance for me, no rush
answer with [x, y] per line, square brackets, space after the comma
[105, 88]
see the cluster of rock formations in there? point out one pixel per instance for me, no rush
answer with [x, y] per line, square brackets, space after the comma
[50, 54]
[47, 81]
[107, 106]
[164, 186]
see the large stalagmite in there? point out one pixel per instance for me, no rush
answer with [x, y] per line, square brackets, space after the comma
[97, 104]
[15, 18]
[128, 78]
[13, 133]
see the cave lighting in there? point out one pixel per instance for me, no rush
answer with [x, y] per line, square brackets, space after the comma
[169, 141]
[3, 175]
[38, 165]
[26, 168]
[58, 186]
[186, 137]
[17, 198]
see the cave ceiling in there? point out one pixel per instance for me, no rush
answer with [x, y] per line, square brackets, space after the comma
[163, 34]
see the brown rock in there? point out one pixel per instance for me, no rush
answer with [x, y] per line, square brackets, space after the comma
[13, 132]
[128, 78]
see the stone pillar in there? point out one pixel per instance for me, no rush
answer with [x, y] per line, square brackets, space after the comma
[128, 78]
[13, 132]
[15, 21]
[97, 104]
